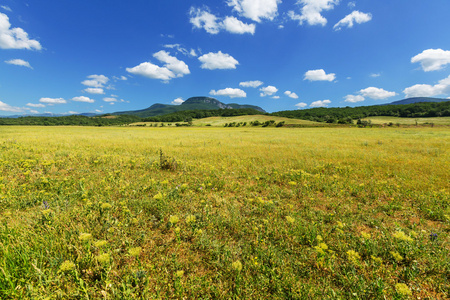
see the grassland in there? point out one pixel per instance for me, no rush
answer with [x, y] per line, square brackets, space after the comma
[410, 121]
[223, 213]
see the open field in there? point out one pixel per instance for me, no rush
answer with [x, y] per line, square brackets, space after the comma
[409, 121]
[223, 213]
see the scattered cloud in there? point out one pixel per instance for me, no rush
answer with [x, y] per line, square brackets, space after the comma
[233, 25]
[110, 100]
[52, 101]
[319, 75]
[354, 98]
[181, 49]
[83, 99]
[35, 105]
[320, 103]
[253, 84]
[301, 105]
[432, 59]
[7, 8]
[276, 97]
[256, 9]
[96, 91]
[229, 92]
[291, 94]
[9, 108]
[268, 91]
[177, 101]
[376, 93]
[374, 75]
[15, 38]
[426, 90]
[173, 67]
[219, 60]
[349, 20]
[96, 81]
[19, 62]
[311, 11]
[123, 78]
[351, 4]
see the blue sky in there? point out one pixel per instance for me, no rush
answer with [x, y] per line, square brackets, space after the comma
[81, 56]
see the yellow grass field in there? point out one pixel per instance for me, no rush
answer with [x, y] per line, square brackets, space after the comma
[410, 121]
[224, 213]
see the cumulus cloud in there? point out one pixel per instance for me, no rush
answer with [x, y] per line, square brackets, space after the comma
[256, 9]
[268, 91]
[177, 101]
[35, 105]
[319, 75]
[311, 11]
[15, 38]
[52, 101]
[349, 20]
[320, 103]
[253, 83]
[172, 68]
[9, 108]
[426, 90]
[96, 81]
[301, 105]
[83, 99]
[432, 59]
[110, 100]
[219, 60]
[229, 92]
[376, 93]
[203, 18]
[19, 62]
[96, 91]
[354, 98]
[291, 94]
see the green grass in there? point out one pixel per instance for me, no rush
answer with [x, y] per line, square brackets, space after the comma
[409, 121]
[220, 213]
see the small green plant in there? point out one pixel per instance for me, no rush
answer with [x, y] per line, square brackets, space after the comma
[166, 162]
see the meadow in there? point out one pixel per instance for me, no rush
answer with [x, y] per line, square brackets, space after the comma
[224, 213]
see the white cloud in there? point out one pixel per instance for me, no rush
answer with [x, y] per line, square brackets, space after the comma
[204, 19]
[354, 17]
[233, 25]
[376, 93]
[229, 92]
[276, 97]
[256, 9]
[83, 99]
[311, 11]
[291, 94]
[351, 5]
[253, 84]
[97, 91]
[123, 78]
[432, 59]
[320, 103]
[426, 90]
[354, 98]
[9, 108]
[219, 60]
[71, 112]
[301, 105]
[15, 38]
[96, 81]
[19, 62]
[35, 105]
[319, 75]
[193, 53]
[178, 67]
[52, 101]
[374, 75]
[268, 91]
[7, 8]
[177, 101]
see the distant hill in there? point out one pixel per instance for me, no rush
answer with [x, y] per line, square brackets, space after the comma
[193, 103]
[416, 100]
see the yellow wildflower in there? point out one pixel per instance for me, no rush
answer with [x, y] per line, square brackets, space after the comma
[135, 251]
[353, 256]
[103, 258]
[237, 265]
[85, 237]
[402, 236]
[190, 219]
[106, 206]
[179, 273]
[290, 219]
[67, 266]
[396, 256]
[100, 244]
[366, 235]
[403, 289]
[174, 219]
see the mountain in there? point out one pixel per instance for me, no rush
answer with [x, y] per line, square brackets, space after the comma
[416, 100]
[193, 103]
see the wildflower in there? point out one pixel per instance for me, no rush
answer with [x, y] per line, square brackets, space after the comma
[403, 289]
[340, 224]
[100, 244]
[179, 273]
[319, 238]
[103, 258]
[46, 212]
[433, 236]
[134, 221]
[293, 183]
[111, 229]
[106, 206]
[237, 265]
[402, 236]
[190, 219]
[323, 246]
[353, 256]
[85, 237]
[67, 266]
[199, 231]
[158, 196]
[173, 219]
[413, 234]
[290, 219]
[396, 256]
[177, 230]
[377, 260]
[135, 251]
[366, 235]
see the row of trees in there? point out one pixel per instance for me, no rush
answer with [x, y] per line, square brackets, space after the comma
[76, 120]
